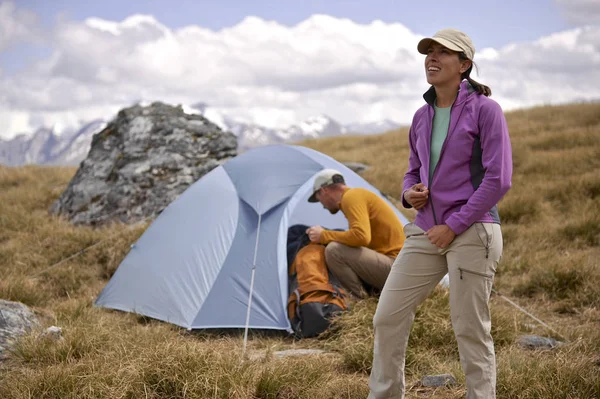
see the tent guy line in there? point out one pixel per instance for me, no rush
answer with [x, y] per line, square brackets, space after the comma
[84, 250]
[501, 295]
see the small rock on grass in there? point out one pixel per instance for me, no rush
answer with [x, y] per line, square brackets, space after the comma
[441, 380]
[536, 342]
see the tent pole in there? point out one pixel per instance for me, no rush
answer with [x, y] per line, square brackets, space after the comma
[251, 285]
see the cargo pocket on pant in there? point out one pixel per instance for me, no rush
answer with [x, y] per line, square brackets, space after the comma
[477, 286]
[462, 270]
[415, 230]
[482, 263]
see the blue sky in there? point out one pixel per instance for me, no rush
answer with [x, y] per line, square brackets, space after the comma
[319, 57]
[494, 23]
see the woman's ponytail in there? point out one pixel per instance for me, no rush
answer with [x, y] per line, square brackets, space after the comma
[479, 88]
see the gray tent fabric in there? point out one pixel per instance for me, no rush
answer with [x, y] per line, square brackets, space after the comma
[192, 267]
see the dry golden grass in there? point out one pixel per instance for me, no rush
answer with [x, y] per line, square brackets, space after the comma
[551, 267]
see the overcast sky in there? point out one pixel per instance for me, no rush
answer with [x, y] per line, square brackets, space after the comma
[278, 62]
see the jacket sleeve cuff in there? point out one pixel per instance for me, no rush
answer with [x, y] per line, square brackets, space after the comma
[404, 203]
[456, 226]
[325, 239]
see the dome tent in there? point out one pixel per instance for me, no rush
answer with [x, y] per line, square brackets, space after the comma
[216, 256]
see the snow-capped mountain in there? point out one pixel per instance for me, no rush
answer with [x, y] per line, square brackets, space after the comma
[314, 127]
[251, 135]
[46, 147]
[75, 147]
[18, 150]
[25, 149]
[70, 147]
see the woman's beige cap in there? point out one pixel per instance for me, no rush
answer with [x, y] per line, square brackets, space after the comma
[451, 38]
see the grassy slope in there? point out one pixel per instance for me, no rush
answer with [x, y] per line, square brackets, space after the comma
[551, 266]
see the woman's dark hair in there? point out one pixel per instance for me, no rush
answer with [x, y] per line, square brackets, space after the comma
[479, 88]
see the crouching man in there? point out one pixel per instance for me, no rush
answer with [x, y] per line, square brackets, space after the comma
[362, 256]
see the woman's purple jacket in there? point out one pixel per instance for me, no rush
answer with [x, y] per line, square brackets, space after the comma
[474, 170]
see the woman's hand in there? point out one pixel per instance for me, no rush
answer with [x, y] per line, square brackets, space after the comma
[417, 196]
[440, 236]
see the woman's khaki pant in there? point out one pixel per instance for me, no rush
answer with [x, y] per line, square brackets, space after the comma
[470, 261]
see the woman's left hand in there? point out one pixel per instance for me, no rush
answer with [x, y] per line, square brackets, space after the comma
[440, 235]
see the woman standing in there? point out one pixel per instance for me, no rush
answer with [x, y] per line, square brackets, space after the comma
[460, 166]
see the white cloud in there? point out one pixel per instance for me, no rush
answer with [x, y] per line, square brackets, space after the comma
[267, 73]
[16, 25]
[555, 69]
[580, 12]
[14, 122]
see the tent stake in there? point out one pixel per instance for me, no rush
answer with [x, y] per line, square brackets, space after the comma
[251, 285]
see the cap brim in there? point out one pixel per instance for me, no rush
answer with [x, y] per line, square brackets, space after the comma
[424, 44]
[313, 197]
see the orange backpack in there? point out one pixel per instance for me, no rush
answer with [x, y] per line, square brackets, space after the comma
[315, 294]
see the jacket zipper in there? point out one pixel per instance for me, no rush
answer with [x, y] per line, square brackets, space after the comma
[439, 159]
[432, 207]
[472, 272]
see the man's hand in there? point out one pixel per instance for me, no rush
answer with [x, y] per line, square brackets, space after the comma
[417, 196]
[314, 233]
[440, 235]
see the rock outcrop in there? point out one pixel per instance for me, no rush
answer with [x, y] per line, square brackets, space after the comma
[356, 167]
[15, 319]
[142, 161]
